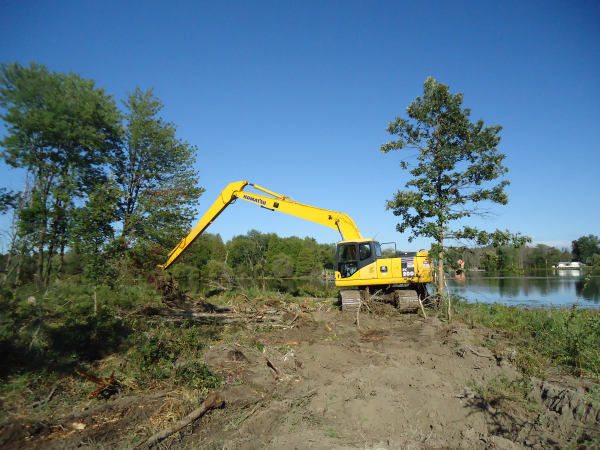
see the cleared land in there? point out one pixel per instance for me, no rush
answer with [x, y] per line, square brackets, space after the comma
[314, 379]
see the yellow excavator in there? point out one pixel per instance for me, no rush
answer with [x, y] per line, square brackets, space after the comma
[360, 267]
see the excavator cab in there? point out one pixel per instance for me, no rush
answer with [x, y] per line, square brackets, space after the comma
[353, 256]
[359, 262]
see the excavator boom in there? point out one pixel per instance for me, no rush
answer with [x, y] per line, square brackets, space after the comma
[275, 202]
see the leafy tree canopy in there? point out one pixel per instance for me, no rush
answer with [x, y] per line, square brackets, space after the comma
[157, 176]
[585, 248]
[7, 200]
[63, 130]
[457, 163]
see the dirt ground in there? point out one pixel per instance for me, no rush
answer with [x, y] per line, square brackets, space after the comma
[394, 383]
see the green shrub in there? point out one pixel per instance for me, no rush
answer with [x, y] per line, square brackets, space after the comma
[569, 337]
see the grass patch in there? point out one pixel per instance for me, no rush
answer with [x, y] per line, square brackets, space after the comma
[46, 334]
[566, 337]
[508, 395]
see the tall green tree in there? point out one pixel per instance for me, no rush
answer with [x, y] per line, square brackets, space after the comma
[156, 173]
[63, 130]
[310, 258]
[282, 266]
[456, 160]
[585, 248]
[94, 235]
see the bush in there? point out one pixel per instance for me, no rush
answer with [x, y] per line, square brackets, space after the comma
[171, 354]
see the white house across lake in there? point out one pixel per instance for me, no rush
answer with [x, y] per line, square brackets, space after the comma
[569, 265]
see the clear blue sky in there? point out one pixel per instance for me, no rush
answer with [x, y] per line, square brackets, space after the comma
[295, 95]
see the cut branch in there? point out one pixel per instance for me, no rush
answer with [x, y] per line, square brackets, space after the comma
[213, 401]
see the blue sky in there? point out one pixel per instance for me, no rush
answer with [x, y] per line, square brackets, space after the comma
[296, 96]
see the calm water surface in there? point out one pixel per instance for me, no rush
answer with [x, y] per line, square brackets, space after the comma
[532, 288]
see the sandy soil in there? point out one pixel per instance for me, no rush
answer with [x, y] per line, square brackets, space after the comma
[395, 383]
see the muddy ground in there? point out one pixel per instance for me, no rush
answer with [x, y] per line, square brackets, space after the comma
[396, 383]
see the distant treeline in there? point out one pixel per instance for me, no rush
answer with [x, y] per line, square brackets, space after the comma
[253, 255]
[257, 255]
[586, 250]
[109, 192]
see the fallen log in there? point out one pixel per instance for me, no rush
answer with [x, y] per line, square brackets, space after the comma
[212, 401]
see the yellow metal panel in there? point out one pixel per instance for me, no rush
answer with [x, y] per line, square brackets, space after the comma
[392, 276]
[332, 219]
[368, 272]
[384, 262]
[396, 267]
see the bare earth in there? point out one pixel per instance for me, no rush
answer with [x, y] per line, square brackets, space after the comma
[395, 383]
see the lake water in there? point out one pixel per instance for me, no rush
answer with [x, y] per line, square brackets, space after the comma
[529, 287]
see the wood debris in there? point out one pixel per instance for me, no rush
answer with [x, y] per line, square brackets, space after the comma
[271, 365]
[106, 386]
[212, 401]
[46, 400]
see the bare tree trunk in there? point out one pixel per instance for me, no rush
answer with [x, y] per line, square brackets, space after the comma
[18, 276]
[10, 254]
[49, 264]
[440, 281]
[62, 260]
[53, 241]
[43, 228]
[40, 258]
[16, 215]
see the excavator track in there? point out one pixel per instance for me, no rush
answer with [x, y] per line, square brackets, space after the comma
[406, 299]
[351, 300]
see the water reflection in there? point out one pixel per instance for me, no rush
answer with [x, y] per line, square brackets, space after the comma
[460, 278]
[551, 287]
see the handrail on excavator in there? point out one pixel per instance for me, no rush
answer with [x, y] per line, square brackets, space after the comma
[336, 220]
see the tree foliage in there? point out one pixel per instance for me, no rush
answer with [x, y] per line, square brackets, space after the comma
[456, 160]
[586, 249]
[106, 185]
[156, 174]
[7, 200]
[256, 255]
[63, 130]
[94, 233]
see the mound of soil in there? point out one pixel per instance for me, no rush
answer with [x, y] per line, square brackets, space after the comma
[392, 384]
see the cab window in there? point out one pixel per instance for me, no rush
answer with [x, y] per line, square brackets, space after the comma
[365, 251]
[348, 253]
[347, 264]
[377, 249]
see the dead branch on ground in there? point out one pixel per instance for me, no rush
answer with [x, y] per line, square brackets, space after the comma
[46, 400]
[106, 386]
[212, 401]
[271, 365]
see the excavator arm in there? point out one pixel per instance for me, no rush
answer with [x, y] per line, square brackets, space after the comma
[275, 202]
